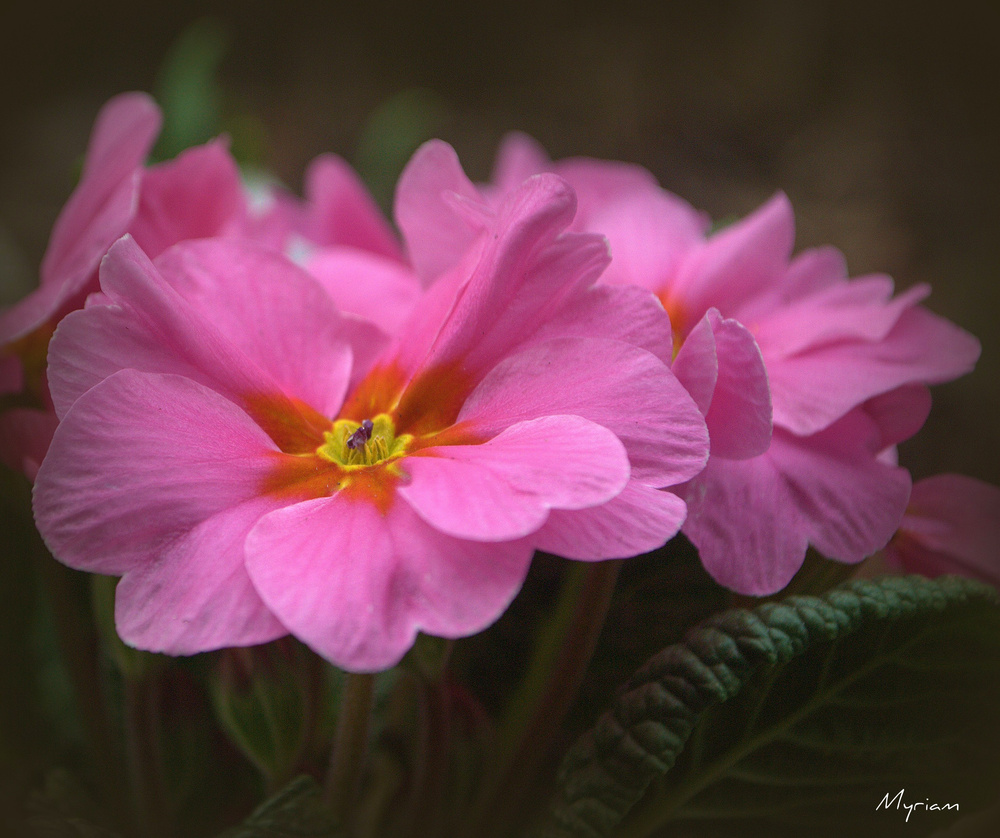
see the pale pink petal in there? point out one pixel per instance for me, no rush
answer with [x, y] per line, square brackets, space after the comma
[356, 584]
[812, 390]
[436, 234]
[518, 158]
[195, 595]
[104, 201]
[721, 367]
[636, 521]
[810, 272]
[859, 310]
[851, 503]
[600, 182]
[622, 387]
[377, 289]
[274, 312]
[96, 214]
[697, 364]
[952, 525]
[649, 231]
[25, 435]
[197, 195]
[632, 315]
[504, 488]
[340, 211]
[739, 418]
[745, 523]
[138, 462]
[752, 519]
[739, 262]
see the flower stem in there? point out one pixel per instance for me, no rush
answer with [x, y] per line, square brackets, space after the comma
[350, 744]
[554, 677]
[142, 740]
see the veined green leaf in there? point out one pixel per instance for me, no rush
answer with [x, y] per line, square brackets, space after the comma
[798, 718]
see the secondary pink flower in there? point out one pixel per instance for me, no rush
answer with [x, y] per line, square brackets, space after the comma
[951, 525]
[214, 451]
[761, 338]
[198, 194]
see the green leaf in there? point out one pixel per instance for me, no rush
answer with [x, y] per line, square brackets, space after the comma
[798, 717]
[295, 812]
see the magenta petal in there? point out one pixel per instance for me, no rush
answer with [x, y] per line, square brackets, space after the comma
[196, 595]
[952, 525]
[436, 234]
[503, 489]
[697, 364]
[740, 262]
[197, 195]
[636, 521]
[340, 211]
[622, 387]
[356, 584]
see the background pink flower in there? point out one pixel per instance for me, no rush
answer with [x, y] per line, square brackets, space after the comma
[838, 366]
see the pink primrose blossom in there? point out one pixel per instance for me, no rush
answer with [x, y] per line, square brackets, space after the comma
[239, 455]
[197, 194]
[951, 525]
[806, 379]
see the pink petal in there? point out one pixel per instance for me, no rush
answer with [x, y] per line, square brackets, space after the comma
[900, 413]
[859, 310]
[628, 314]
[721, 366]
[97, 213]
[195, 595]
[436, 235]
[150, 326]
[342, 212]
[598, 183]
[619, 386]
[740, 262]
[752, 519]
[356, 584]
[638, 520]
[140, 461]
[518, 158]
[812, 390]
[197, 195]
[525, 272]
[952, 525]
[650, 231]
[379, 290]
[504, 488]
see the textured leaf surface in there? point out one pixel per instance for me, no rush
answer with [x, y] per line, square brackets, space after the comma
[798, 717]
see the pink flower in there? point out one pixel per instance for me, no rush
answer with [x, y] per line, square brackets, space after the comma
[198, 194]
[951, 525]
[763, 340]
[233, 451]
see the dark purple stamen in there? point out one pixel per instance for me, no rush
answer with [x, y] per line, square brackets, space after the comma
[361, 435]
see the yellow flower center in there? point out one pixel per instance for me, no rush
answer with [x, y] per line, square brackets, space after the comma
[356, 445]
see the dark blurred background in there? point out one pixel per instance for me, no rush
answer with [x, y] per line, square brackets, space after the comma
[878, 120]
